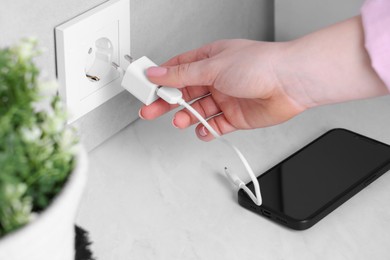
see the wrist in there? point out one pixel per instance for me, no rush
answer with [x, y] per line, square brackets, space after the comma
[290, 75]
[329, 66]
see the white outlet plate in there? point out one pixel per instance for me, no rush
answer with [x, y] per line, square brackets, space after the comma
[74, 38]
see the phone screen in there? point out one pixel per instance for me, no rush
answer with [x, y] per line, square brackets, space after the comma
[323, 171]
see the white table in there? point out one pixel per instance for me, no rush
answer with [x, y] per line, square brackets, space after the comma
[156, 192]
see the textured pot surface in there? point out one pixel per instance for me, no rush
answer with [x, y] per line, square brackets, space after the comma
[51, 235]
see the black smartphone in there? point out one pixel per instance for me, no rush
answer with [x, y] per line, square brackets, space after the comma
[311, 183]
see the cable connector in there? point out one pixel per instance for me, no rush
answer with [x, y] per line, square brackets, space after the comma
[234, 179]
[170, 95]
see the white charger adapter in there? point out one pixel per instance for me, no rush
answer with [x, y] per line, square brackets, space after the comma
[136, 82]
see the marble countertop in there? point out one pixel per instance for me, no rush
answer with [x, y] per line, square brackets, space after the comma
[156, 192]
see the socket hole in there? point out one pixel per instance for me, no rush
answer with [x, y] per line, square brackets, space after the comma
[99, 59]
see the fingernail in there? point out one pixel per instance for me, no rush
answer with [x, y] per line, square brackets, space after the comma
[156, 71]
[140, 114]
[174, 123]
[203, 131]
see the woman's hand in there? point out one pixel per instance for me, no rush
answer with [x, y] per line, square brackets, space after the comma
[233, 83]
[242, 84]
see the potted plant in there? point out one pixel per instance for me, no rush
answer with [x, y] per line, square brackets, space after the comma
[42, 167]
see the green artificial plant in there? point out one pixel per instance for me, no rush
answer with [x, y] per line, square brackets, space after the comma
[36, 148]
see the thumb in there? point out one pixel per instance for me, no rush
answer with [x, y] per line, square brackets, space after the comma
[199, 73]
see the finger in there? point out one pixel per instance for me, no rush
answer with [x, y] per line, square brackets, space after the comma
[199, 73]
[219, 123]
[156, 109]
[206, 107]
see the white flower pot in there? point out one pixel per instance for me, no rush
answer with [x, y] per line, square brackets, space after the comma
[51, 236]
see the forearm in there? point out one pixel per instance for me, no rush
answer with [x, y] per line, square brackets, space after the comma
[329, 66]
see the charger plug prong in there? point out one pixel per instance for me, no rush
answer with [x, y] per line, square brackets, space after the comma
[116, 66]
[129, 58]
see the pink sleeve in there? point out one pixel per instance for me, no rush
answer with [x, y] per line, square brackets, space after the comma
[376, 23]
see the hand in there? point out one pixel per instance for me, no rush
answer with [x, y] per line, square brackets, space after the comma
[242, 84]
[234, 85]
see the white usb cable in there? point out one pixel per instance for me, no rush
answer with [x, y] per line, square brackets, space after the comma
[136, 82]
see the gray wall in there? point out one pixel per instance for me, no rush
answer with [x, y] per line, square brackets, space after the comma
[295, 18]
[159, 29]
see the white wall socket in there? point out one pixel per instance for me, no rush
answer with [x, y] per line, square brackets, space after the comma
[102, 33]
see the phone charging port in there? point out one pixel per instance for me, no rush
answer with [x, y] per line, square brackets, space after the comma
[266, 213]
